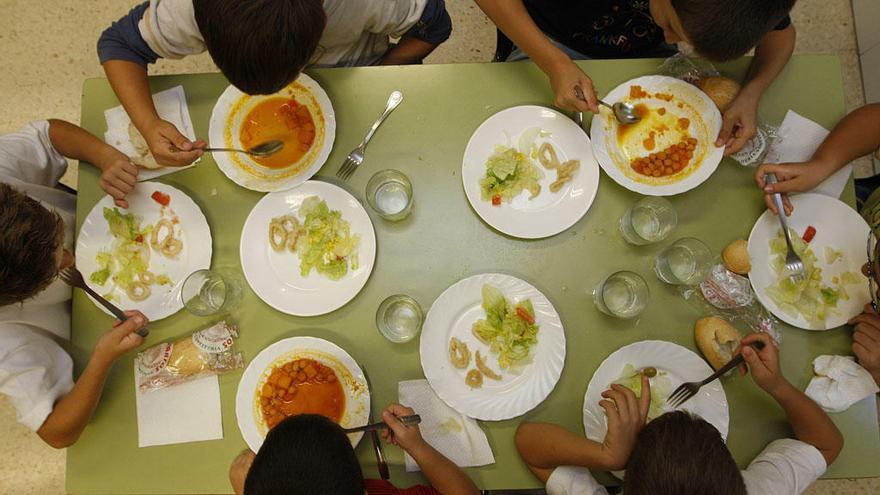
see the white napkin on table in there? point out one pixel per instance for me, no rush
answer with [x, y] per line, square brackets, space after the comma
[171, 106]
[839, 383]
[454, 435]
[799, 138]
[189, 412]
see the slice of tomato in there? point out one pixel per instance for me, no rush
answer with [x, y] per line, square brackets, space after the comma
[139, 238]
[525, 316]
[161, 198]
[496, 200]
[809, 234]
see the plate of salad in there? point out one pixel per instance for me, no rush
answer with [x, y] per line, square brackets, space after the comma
[492, 347]
[309, 250]
[138, 258]
[529, 172]
[830, 238]
[667, 365]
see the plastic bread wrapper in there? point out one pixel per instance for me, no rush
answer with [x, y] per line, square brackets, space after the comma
[210, 351]
[728, 295]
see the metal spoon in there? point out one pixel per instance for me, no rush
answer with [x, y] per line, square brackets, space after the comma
[261, 150]
[624, 112]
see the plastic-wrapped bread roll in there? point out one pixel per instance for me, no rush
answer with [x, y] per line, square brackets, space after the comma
[206, 352]
[716, 339]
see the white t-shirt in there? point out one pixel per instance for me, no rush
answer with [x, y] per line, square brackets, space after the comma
[35, 371]
[785, 467]
[357, 31]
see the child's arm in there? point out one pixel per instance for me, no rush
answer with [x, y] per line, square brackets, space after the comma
[741, 118]
[238, 471]
[432, 29]
[809, 422]
[118, 173]
[514, 20]
[72, 412]
[544, 447]
[858, 134]
[408, 51]
[443, 474]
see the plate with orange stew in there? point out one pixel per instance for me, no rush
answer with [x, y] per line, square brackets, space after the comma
[300, 115]
[672, 149]
[300, 375]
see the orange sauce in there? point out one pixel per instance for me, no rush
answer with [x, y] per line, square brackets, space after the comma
[642, 111]
[279, 118]
[301, 386]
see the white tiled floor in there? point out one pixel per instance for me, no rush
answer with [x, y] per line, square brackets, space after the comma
[48, 49]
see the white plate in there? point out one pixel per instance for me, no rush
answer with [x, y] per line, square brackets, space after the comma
[681, 365]
[705, 124]
[275, 277]
[549, 213]
[837, 225]
[357, 394]
[453, 314]
[94, 236]
[224, 130]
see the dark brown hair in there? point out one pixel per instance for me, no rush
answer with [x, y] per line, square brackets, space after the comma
[305, 455]
[29, 238]
[680, 454]
[260, 45]
[726, 29]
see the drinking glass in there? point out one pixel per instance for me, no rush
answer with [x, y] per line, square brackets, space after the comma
[390, 193]
[622, 294]
[685, 262]
[207, 292]
[399, 318]
[647, 221]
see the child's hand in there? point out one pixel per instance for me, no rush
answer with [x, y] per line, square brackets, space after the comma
[564, 79]
[739, 124]
[866, 341]
[170, 147]
[791, 177]
[626, 418]
[122, 338]
[239, 469]
[764, 364]
[405, 437]
[118, 176]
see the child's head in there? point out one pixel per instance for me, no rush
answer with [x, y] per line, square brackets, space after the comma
[31, 240]
[305, 455]
[719, 29]
[260, 45]
[678, 454]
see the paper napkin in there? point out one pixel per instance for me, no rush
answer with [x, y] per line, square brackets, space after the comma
[839, 382]
[454, 435]
[171, 106]
[799, 138]
[189, 412]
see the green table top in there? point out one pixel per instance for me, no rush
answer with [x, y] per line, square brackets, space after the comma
[421, 256]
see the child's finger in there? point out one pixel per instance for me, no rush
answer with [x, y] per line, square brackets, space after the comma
[645, 398]
[786, 203]
[754, 361]
[771, 205]
[610, 411]
[121, 203]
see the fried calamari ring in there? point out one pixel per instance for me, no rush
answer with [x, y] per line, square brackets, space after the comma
[547, 156]
[484, 369]
[138, 291]
[172, 247]
[277, 235]
[459, 354]
[147, 278]
[155, 241]
[474, 379]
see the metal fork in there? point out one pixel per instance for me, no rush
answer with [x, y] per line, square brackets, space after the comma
[687, 390]
[410, 420]
[356, 157]
[381, 464]
[72, 277]
[793, 264]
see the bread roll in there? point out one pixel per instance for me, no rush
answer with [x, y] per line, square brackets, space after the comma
[736, 257]
[717, 340]
[722, 90]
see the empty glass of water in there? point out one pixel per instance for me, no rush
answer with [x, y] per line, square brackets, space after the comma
[685, 262]
[622, 294]
[389, 192]
[649, 220]
[205, 292]
[399, 318]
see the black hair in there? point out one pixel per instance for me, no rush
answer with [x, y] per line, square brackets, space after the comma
[261, 46]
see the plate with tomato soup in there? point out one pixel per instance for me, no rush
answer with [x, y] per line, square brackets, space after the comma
[671, 149]
[300, 375]
[300, 115]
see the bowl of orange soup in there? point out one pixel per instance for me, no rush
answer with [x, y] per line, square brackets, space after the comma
[300, 116]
